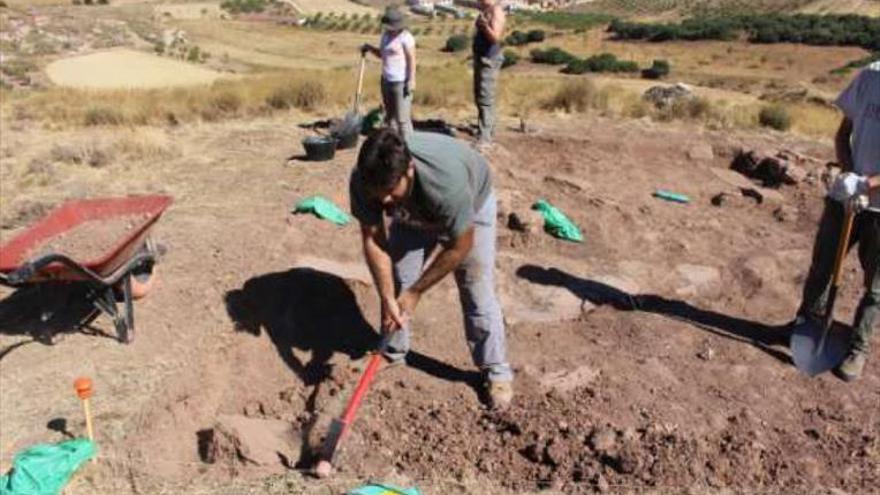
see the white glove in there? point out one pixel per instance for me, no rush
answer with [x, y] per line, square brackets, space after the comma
[848, 185]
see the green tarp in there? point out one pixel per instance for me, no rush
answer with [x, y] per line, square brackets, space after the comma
[377, 489]
[322, 208]
[556, 223]
[46, 469]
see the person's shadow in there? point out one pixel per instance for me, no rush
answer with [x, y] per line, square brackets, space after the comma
[316, 311]
[45, 311]
[764, 337]
[303, 309]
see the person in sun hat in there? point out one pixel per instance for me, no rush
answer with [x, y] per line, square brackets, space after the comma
[397, 49]
[858, 152]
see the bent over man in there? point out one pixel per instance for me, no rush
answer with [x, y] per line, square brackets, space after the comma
[438, 193]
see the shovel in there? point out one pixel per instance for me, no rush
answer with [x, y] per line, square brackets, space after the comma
[351, 123]
[815, 346]
[340, 426]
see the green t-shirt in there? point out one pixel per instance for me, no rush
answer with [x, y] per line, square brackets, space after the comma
[452, 182]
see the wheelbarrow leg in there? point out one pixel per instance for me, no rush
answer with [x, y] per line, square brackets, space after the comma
[126, 333]
[123, 321]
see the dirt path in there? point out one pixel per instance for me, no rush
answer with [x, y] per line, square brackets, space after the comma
[648, 357]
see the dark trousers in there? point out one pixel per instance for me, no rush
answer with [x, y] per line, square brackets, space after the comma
[866, 233]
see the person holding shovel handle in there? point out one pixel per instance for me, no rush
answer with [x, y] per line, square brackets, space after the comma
[438, 193]
[397, 49]
[858, 152]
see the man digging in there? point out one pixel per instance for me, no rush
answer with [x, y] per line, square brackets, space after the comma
[858, 151]
[438, 193]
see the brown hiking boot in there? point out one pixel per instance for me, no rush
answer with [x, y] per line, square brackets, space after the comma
[500, 394]
[852, 366]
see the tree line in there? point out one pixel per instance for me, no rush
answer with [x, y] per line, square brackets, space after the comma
[810, 29]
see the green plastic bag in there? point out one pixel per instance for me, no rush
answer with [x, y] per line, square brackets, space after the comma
[377, 489]
[322, 208]
[46, 469]
[556, 223]
[372, 121]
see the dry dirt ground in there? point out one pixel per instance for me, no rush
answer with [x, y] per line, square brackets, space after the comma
[650, 358]
[124, 68]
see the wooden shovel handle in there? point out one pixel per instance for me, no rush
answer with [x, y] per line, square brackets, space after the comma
[843, 241]
[360, 86]
[842, 248]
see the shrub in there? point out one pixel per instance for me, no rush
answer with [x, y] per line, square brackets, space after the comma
[511, 58]
[227, 102]
[605, 62]
[568, 20]
[552, 56]
[455, 43]
[573, 96]
[535, 36]
[89, 153]
[658, 70]
[103, 115]
[519, 38]
[193, 55]
[244, 6]
[516, 38]
[822, 30]
[775, 117]
[306, 95]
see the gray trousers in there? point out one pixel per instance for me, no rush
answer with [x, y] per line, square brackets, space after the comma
[486, 72]
[475, 277]
[866, 233]
[398, 108]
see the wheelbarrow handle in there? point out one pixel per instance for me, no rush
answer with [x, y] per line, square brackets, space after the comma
[31, 268]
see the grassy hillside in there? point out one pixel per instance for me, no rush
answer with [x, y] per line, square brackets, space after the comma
[674, 8]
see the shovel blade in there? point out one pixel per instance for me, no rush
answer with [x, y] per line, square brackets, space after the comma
[331, 441]
[813, 352]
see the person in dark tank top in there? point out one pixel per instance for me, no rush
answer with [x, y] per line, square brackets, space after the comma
[487, 64]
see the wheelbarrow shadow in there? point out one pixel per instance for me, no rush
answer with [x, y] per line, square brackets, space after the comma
[764, 337]
[46, 311]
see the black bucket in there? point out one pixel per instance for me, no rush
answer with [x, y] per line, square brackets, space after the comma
[347, 132]
[319, 148]
[347, 140]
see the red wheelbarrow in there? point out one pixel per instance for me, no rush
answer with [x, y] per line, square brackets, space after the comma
[126, 261]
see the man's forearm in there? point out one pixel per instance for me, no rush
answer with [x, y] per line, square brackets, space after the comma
[446, 261]
[381, 269]
[843, 145]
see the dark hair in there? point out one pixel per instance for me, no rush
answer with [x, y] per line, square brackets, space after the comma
[383, 160]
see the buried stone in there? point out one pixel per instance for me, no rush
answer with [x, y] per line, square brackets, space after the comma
[240, 441]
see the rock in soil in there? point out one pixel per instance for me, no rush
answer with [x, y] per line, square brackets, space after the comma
[267, 443]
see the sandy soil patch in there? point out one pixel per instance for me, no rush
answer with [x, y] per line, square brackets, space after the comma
[338, 6]
[119, 69]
